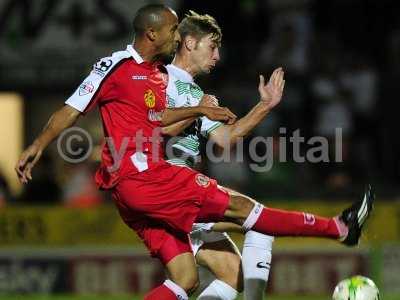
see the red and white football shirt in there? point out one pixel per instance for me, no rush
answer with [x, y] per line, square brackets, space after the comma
[130, 94]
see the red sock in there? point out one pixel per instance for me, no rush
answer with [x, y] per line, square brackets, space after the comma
[160, 292]
[278, 222]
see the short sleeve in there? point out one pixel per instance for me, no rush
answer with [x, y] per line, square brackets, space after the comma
[172, 93]
[94, 87]
[207, 126]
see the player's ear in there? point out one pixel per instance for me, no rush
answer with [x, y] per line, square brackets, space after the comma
[151, 34]
[189, 43]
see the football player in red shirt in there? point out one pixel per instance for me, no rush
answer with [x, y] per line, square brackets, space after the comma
[158, 200]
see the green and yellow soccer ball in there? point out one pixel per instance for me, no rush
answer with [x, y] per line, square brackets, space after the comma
[356, 288]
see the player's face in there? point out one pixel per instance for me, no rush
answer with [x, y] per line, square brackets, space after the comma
[206, 54]
[168, 36]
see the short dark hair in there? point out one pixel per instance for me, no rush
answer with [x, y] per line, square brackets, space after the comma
[148, 16]
[199, 26]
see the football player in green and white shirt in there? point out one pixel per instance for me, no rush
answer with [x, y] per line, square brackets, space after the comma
[197, 54]
[182, 91]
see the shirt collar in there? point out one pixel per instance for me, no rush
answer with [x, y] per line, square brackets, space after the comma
[136, 56]
[180, 73]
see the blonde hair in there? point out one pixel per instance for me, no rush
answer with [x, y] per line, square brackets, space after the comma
[199, 26]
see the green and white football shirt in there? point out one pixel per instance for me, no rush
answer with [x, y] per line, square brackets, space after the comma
[182, 91]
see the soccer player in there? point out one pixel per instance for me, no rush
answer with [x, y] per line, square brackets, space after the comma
[158, 200]
[197, 54]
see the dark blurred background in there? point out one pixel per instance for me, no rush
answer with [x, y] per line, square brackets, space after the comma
[341, 58]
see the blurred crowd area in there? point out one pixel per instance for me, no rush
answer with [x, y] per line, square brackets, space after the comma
[341, 62]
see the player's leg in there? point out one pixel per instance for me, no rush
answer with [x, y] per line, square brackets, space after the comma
[256, 264]
[175, 253]
[346, 227]
[179, 285]
[256, 258]
[251, 215]
[172, 248]
[223, 260]
[188, 280]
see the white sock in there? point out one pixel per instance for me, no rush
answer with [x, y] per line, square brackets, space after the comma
[256, 262]
[176, 289]
[205, 279]
[218, 290]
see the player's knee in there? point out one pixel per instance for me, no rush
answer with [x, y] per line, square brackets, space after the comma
[232, 273]
[233, 278]
[226, 266]
[188, 282]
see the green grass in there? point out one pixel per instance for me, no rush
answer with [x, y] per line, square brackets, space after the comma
[71, 297]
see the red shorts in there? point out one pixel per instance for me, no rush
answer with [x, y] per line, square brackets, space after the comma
[162, 203]
[162, 242]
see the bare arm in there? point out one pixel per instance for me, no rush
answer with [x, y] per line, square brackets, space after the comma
[270, 96]
[177, 128]
[227, 135]
[173, 115]
[60, 120]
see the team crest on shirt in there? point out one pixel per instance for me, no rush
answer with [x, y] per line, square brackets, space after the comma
[202, 180]
[86, 88]
[102, 66]
[149, 99]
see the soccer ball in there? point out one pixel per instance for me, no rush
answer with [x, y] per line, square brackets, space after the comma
[356, 288]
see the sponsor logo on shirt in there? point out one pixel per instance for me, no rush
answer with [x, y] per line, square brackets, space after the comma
[202, 180]
[86, 88]
[149, 99]
[102, 66]
[139, 77]
[154, 116]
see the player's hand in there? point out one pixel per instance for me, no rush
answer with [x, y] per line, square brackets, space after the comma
[271, 93]
[209, 100]
[219, 114]
[26, 162]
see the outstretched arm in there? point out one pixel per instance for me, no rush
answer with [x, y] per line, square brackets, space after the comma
[60, 120]
[173, 115]
[270, 96]
[177, 128]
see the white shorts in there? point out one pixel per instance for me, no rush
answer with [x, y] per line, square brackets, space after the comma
[201, 234]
